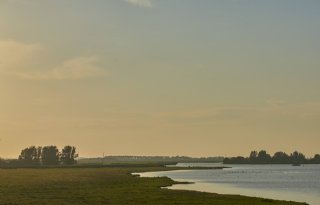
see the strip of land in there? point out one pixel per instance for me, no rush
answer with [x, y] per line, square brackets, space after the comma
[105, 185]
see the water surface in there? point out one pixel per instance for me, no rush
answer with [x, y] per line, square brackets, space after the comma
[284, 182]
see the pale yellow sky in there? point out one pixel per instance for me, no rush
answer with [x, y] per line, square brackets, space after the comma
[143, 77]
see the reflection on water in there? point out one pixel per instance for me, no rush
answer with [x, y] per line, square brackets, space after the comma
[283, 182]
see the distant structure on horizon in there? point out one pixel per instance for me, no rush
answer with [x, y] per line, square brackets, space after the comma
[149, 159]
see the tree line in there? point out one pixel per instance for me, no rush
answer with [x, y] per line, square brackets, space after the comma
[262, 157]
[43, 156]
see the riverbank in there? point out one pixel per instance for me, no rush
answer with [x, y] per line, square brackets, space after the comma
[279, 182]
[109, 185]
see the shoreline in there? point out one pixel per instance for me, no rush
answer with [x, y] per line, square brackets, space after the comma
[175, 183]
[114, 185]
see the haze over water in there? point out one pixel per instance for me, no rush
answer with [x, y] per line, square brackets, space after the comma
[284, 182]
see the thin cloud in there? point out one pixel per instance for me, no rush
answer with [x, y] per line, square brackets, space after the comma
[18, 59]
[14, 55]
[142, 3]
[77, 68]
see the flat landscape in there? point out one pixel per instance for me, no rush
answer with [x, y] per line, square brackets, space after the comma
[96, 97]
[108, 185]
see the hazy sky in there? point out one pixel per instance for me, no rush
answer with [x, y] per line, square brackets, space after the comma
[160, 77]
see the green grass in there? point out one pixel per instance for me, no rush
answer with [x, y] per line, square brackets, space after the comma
[111, 185]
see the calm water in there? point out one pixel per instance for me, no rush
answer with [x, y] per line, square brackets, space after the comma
[283, 182]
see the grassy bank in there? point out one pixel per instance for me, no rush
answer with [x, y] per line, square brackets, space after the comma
[109, 185]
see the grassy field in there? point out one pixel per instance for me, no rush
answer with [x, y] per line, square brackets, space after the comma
[111, 185]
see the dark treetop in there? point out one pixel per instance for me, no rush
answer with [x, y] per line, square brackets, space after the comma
[263, 157]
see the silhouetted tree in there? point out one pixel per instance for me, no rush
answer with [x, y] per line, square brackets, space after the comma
[280, 158]
[2, 162]
[236, 160]
[253, 156]
[30, 156]
[263, 157]
[39, 154]
[50, 155]
[316, 159]
[68, 155]
[297, 158]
